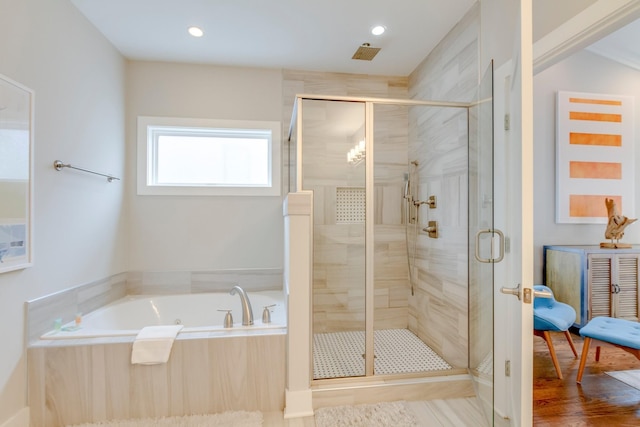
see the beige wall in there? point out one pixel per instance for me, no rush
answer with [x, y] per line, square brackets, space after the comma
[201, 233]
[78, 80]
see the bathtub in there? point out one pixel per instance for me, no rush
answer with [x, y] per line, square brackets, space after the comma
[89, 376]
[203, 312]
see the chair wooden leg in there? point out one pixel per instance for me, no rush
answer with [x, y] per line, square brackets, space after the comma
[547, 337]
[573, 347]
[597, 353]
[583, 359]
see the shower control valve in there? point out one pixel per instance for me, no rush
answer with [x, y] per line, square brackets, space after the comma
[431, 201]
[432, 229]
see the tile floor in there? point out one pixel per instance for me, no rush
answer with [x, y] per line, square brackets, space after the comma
[397, 351]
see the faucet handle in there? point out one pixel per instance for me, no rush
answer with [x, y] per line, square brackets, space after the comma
[228, 318]
[266, 313]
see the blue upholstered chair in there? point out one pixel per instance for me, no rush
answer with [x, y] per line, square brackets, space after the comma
[549, 316]
[621, 333]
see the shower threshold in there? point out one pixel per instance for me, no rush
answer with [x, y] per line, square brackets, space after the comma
[396, 351]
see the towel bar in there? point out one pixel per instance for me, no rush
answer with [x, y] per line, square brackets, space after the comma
[59, 166]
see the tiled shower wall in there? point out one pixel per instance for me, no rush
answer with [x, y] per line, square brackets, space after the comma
[438, 141]
[339, 247]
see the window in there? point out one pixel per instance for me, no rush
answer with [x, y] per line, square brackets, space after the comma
[208, 157]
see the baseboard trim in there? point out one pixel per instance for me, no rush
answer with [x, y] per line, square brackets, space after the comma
[298, 404]
[19, 419]
[445, 387]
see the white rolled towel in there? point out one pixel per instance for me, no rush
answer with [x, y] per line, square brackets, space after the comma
[153, 344]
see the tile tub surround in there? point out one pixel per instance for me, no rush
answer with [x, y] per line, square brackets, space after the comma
[172, 282]
[206, 373]
[42, 312]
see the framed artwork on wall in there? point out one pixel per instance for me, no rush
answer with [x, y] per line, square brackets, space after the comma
[16, 175]
[594, 156]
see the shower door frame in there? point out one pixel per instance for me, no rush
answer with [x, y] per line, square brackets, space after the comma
[369, 195]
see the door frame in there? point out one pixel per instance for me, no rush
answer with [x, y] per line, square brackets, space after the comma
[593, 23]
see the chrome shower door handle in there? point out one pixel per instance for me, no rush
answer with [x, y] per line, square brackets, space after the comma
[500, 245]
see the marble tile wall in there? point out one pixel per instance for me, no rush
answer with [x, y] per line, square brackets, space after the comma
[73, 384]
[391, 280]
[309, 82]
[41, 312]
[438, 312]
[85, 298]
[173, 282]
[338, 271]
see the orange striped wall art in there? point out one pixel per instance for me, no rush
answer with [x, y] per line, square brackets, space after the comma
[594, 143]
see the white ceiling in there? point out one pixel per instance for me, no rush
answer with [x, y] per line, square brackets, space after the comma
[318, 35]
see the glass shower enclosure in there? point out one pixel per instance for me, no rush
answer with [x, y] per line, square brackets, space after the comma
[371, 219]
[383, 254]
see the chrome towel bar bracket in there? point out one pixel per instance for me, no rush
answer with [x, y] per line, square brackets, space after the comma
[59, 166]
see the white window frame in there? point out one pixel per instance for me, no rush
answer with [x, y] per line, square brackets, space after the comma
[146, 158]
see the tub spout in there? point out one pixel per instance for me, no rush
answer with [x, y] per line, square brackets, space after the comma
[247, 312]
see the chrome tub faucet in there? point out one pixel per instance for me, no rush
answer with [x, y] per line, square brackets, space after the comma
[247, 312]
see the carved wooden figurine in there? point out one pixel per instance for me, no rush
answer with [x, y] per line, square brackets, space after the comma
[615, 227]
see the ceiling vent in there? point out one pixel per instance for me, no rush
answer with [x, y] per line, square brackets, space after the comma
[365, 52]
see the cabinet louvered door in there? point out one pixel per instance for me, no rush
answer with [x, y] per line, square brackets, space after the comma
[625, 297]
[600, 275]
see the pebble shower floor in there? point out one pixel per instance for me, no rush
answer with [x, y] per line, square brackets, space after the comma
[340, 354]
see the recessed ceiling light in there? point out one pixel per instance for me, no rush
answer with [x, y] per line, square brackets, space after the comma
[196, 32]
[378, 30]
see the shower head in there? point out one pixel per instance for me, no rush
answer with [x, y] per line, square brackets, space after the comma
[365, 52]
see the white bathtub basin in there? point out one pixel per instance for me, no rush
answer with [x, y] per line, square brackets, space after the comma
[197, 312]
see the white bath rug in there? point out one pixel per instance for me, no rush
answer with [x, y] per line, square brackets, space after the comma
[225, 419]
[385, 414]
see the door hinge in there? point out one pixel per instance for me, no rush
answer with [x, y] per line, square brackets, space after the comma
[507, 122]
[507, 368]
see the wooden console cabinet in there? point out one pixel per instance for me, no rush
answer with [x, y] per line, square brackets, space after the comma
[594, 281]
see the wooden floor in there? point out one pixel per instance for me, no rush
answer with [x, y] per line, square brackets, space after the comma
[600, 401]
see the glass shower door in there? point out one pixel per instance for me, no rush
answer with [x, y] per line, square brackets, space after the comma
[333, 167]
[485, 247]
